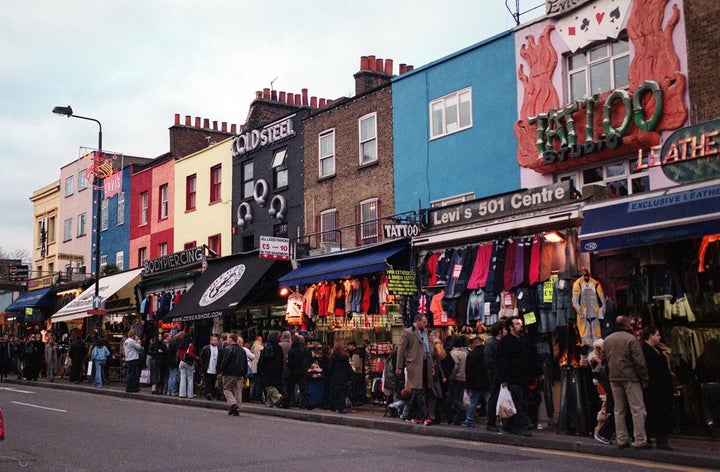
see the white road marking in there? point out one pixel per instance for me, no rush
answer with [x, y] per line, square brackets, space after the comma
[38, 406]
[15, 390]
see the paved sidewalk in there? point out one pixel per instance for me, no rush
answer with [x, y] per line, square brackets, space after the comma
[688, 451]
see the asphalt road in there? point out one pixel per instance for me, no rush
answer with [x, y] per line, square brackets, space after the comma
[56, 430]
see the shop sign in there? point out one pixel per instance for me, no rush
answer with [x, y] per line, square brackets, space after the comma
[560, 7]
[403, 230]
[274, 248]
[18, 273]
[688, 155]
[258, 138]
[559, 125]
[499, 206]
[71, 257]
[177, 260]
[401, 282]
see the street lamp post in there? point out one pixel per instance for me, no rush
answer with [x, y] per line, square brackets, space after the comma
[97, 184]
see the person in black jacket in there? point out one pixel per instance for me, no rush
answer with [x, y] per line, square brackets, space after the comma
[339, 374]
[270, 366]
[658, 395]
[77, 353]
[299, 360]
[476, 379]
[232, 371]
[518, 367]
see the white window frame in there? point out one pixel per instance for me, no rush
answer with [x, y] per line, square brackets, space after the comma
[50, 230]
[82, 180]
[328, 157]
[464, 197]
[103, 261]
[67, 229]
[248, 182]
[121, 209]
[142, 256]
[69, 182]
[164, 194]
[328, 220]
[369, 226]
[82, 224]
[144, 207]
[162, 249]
[280, 168]
[105, 216]
[590, 63]
[368, 142]
[615, 174]
[120, 260]
[444, 105]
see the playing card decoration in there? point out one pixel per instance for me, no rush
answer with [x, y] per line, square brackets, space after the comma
[594, 22]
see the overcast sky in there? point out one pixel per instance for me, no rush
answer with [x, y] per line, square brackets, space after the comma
[134, 64]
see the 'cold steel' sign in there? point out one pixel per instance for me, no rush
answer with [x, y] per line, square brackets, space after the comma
[502, 205]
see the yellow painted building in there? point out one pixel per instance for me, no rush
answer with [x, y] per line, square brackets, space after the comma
[46, 201]
[203, 199]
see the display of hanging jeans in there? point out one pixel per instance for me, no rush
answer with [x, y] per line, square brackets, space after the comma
[475, 308]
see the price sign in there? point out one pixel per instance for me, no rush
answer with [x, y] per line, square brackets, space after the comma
[274, 248]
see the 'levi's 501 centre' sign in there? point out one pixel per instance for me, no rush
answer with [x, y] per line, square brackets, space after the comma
[499, 206]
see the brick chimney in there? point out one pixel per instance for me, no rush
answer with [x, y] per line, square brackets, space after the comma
[374, 72]
[186, 138]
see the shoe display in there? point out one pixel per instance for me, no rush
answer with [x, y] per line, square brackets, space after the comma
[601, 439]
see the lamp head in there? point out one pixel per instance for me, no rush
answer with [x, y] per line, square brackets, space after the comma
[285, 291]
[67, 111]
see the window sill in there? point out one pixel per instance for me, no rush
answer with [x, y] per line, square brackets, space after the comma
[368, 164]
[190, 210]
[326, 177]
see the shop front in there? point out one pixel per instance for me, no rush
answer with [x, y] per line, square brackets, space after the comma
[116, 308]
[658, 255]
[27, 313]
[237, 293]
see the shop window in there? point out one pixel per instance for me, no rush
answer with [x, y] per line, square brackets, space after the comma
[69, 186]
[280, 169]
[453, 200]
[81, 224]
[121, 208]
[451, 113]
[120, 260]
[142, 256]
[164, 201]
[328, 224]
[599, 69]
[144, 205]
[216, 184]
[104, 216]
[620, 178]
[215, 244]
[82, 180]
[248, 184]
[368, 138]
[326, 166]
[369, 212]
[190, 192]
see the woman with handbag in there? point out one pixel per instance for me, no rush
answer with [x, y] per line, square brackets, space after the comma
[186, 355]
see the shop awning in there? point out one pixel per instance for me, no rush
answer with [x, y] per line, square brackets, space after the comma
[221, 288]
[684, 212]
[109, 286]
[35, 298]
[346, 264]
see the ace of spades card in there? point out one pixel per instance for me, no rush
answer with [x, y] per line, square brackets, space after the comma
[596, 21]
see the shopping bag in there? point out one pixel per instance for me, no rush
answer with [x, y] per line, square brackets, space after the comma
[505, 405]
[90, 368]
[145, 376]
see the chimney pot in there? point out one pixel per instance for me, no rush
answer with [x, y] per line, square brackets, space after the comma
[206, 123]
[187, 120]
[177, 119]
[273, 95]
[379, 65]
[304, 96]
[290, 99]
[197, 121]
[215, 125]
[282, 98]
[371, 63]
[322, 102]
[363, 62]
[409, 68]
[388, 66]
[298, 99]
[223, 126]
[258, 95]
[313, 102]
[233, 128]
[266, 93]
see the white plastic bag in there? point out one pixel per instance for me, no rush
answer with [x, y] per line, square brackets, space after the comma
[466, 398]
[505, 405]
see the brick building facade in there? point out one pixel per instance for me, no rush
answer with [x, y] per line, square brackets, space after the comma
[703, 44]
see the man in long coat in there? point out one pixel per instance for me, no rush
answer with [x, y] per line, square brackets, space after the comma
[415, 355]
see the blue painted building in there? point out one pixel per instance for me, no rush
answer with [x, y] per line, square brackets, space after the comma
[453, 127]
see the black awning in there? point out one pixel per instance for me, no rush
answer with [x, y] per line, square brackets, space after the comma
[222, 287]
